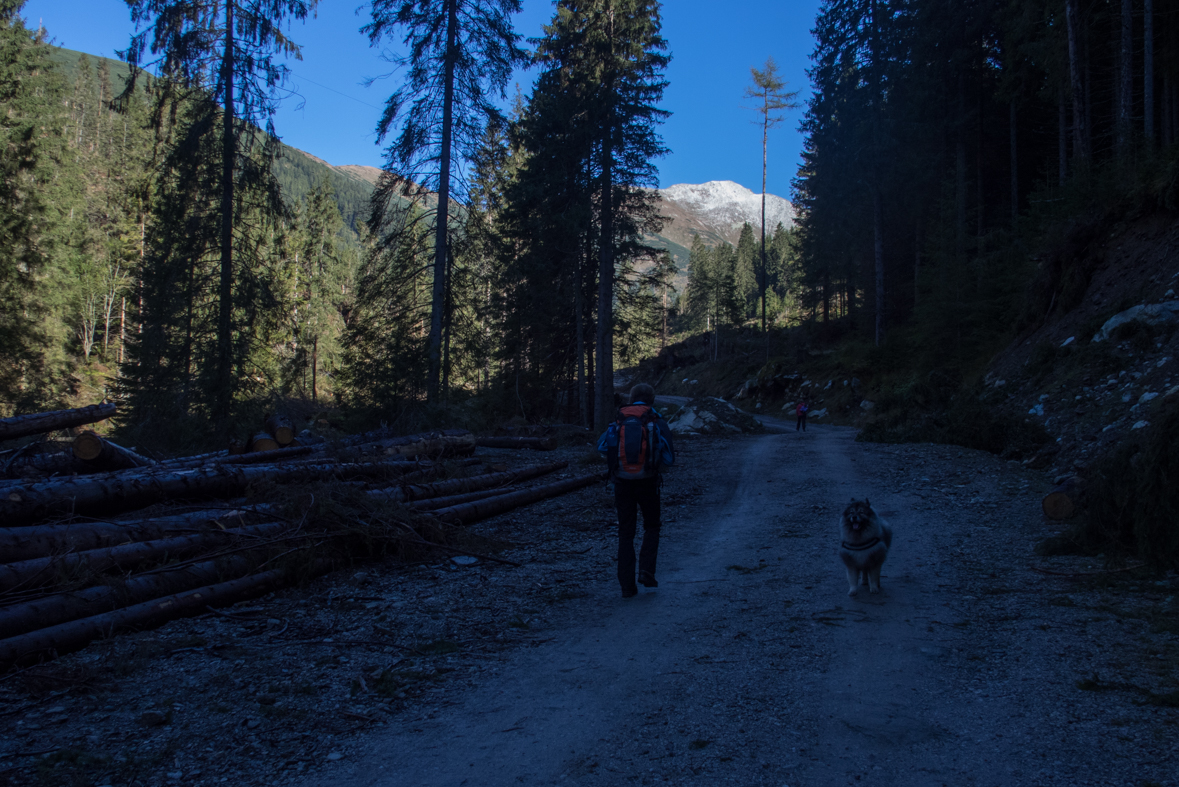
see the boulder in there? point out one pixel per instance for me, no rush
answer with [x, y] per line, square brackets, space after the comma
[1151, 314]
[709, 415]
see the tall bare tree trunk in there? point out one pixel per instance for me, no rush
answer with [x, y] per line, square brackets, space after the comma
[1062, 139]
[582, 360]
[960, 176]
[604, 399]
[1014, 169]
[1080, 128]
[605, 335]
[438, 292]
[228, 155]
[916, 263]
[1125, 79]
[765, 136]
[1148, 72]
[878, 253]
[122, 328]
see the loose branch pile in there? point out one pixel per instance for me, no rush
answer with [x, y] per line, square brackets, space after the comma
[90, 554]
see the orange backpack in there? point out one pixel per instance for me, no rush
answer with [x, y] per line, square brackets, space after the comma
[634, 457]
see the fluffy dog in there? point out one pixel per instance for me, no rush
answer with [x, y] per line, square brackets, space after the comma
[865, 539]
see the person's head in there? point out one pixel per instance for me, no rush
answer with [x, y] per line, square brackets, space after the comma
[642, 393]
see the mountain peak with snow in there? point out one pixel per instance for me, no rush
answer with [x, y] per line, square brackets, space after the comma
[726, 205]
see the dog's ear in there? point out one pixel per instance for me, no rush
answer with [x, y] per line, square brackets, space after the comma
[867, 502]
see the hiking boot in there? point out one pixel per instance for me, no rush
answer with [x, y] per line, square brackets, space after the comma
[647, 579]
[628, 592]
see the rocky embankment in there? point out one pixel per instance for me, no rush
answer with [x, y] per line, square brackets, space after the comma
[1104, 368]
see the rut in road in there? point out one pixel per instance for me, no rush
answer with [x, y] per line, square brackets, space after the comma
[749, 664]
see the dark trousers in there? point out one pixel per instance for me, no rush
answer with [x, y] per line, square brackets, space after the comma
[801, 423]
[629, 497]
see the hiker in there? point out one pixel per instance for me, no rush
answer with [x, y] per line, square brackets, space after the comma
[801, 412]
[637, 446]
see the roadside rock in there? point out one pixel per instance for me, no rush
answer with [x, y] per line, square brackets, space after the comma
[1151, 314]
[709, 415]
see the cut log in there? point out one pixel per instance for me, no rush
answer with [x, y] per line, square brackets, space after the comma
[467, 513]
[42, 571]
[448, 442]
[280, 427]
[535, 443]
[68, 637]
[195, 460]
[432, 503]
[221, 458]
[39, 423]
[27, 543]
[90, 495]
[407, 492]
[62, 607]
[1065, 500]
[58, 462]
[263, 442]
[102, 454]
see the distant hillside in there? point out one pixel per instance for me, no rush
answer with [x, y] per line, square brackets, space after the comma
[714, 210]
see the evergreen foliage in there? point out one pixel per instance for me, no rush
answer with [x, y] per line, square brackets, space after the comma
[27, 83]
[219, 196]
[935, 135]
[459, 52]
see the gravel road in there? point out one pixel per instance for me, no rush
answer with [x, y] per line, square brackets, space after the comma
[750, 665]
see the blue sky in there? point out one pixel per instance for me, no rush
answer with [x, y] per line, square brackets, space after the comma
[713, 45]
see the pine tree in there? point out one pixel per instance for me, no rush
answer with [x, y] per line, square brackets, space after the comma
[459, 53]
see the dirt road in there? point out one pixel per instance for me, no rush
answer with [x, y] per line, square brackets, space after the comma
[750, 665]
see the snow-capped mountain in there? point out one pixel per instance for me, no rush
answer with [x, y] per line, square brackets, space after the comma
[715, 211]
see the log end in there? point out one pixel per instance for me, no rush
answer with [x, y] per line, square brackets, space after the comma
[263, 442]
[88, 446]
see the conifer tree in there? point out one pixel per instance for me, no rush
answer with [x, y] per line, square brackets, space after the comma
[615, 55]
[27, 84]
[218, 56]
[769, 90]
[459, 53]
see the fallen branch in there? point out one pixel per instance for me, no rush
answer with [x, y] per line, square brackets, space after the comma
[39, 423]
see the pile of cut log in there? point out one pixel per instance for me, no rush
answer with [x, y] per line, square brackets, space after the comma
[113, 541]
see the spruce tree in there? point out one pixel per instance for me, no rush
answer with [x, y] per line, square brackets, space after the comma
[459, 53]
[769, 91]
[219, 56]
[28, 88]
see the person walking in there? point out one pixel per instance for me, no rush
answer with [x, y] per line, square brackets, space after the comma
[800, 411]
[637, 447]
